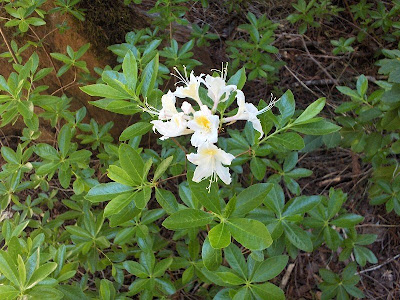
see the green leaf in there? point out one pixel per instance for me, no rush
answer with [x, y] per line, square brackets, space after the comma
[21, 271]
[362, 85]
[41, 273]
[117, 106]
[251, 198]
[162, 266]
[258, 168]
[137, 129]
[209, 199]
[149, 76]
[107, 191]
[129, 67]
[286, 106]
[316, 128]
[131, 162]
[167, 200]
[7, 292]
[162, 167]
[238, 79]
[269, 268]
[328, 276]
[349, 92]
[230, 207]
[347, 220]
[219, 236]
[297, 237]
[45, 292]
[78, 231]
[118, 204]
[267, 291]
[311, 111]
[250, 233]
[64, 139]
[9, 155]
[212, 258]
[142, 197]
[119, 175]
[72, 292]
[135, 268]
[8, 269]
[25, 108]
[236, 260]
[106, 290]
[187, 218]
[301, 205]
[289, 140]
[105, 91]
[230, 278]
[165, 285]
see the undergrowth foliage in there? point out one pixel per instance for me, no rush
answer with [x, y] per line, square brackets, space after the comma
[194, 211]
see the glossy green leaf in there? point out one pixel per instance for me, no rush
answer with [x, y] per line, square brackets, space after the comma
[311, 111]
[297, 237]
[105, 91]
[107, 191]
[131, 162]
[142, 197]
[219, 236]
[212, 258]
[250, 233]
[137, 129]
[289, 140]
[41, 273]
[162, 167]
[167, 200]
[118, 203]
[269, 268]
[316, 128]
[187, 218]
[251, 198]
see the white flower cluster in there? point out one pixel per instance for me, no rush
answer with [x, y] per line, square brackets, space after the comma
[203, 124]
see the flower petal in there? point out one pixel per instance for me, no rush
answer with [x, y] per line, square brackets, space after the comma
[223, 173]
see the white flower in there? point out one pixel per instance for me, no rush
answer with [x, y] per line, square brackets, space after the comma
[168, 106]
[210, 160]
[187, 108]
[205, 127]
[177, 126]
[191, 88]
[248, 112]
[217, 87]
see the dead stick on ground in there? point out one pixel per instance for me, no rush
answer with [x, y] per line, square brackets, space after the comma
[286, 277]
[317, 62]
[8, 46]
[301, 82]
[379, 266]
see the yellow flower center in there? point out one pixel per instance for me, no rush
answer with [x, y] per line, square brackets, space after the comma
[203, 122]
[210, 152]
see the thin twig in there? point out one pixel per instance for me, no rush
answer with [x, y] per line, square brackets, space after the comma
[67, 86]
[48, 56]
[317, 62]
[8, 46]
[379, 266]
